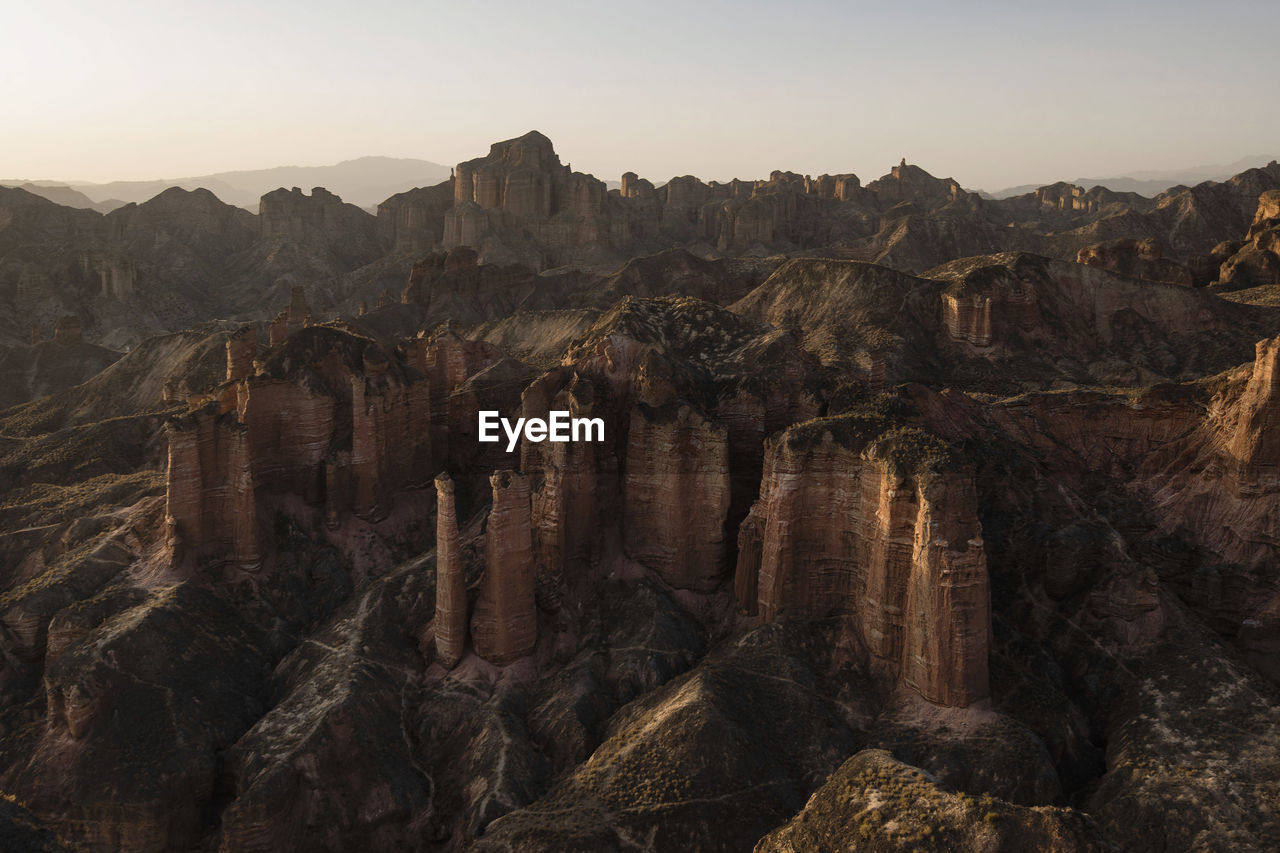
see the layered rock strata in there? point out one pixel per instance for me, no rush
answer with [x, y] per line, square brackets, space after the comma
[677, 492]
[505, 625]
[846, 528]
[210, 494]
[451, 584]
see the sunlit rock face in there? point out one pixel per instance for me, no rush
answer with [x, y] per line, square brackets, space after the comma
[843, 529]
[505, 624]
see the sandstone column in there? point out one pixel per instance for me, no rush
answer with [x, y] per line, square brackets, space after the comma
[451, 585]
[505, 625]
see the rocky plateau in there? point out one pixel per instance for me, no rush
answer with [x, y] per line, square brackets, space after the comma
[920, 520]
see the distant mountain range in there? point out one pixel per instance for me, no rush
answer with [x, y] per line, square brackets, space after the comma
[1153, 182]
[364, 182]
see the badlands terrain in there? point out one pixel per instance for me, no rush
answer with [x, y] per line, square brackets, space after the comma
[922, 520]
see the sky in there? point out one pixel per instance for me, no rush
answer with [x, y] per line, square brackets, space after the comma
[992, 94]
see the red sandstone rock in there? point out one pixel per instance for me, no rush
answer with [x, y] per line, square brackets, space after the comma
[848, 532]
[210, 492]
[505, 623]
[676, 495]
[451, 584]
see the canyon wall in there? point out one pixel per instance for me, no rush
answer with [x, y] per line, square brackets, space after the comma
[842, 528]
[505, 623]
[451, 583]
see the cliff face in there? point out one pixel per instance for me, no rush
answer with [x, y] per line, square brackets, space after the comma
[677, 495]
[1256, 261]
[325, 416]
[843, 530]
[390, 436]
[505, 624]
[321, 220]
[1221, 481]
[571, 487]
[413, 221]
[210, 490]
[1141, 259]
[947, 606]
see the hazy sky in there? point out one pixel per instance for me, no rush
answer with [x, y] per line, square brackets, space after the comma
[992, 94]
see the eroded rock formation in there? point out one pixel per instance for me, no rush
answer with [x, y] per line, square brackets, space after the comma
[677, 495]
[209, 500]
[1256, 261]
[888, 531]
[505, 623]
[451, 585]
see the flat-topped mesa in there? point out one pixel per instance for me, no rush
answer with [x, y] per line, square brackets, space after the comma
[1254, 444]
[521, 189]
[242, 349]
[486, 180]
[676, 495]
[885, 528]
[210, 507]
[1061, 196]
[451, 583]
[910, 183]
[505, 624]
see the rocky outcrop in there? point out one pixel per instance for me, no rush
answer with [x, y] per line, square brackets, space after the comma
[521, 186]
[967, 317]
[505, 623]
[1254, 444]
[210, 508]
[242, 349]
[1222, 480]
[451, 584]
[847, 813]
[320, 220]
[887, 531]
[570, 492]
[390, 444]
[1256, 261]
[413, 221]
[676, 495]
[327, 417]
[1141, 259]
